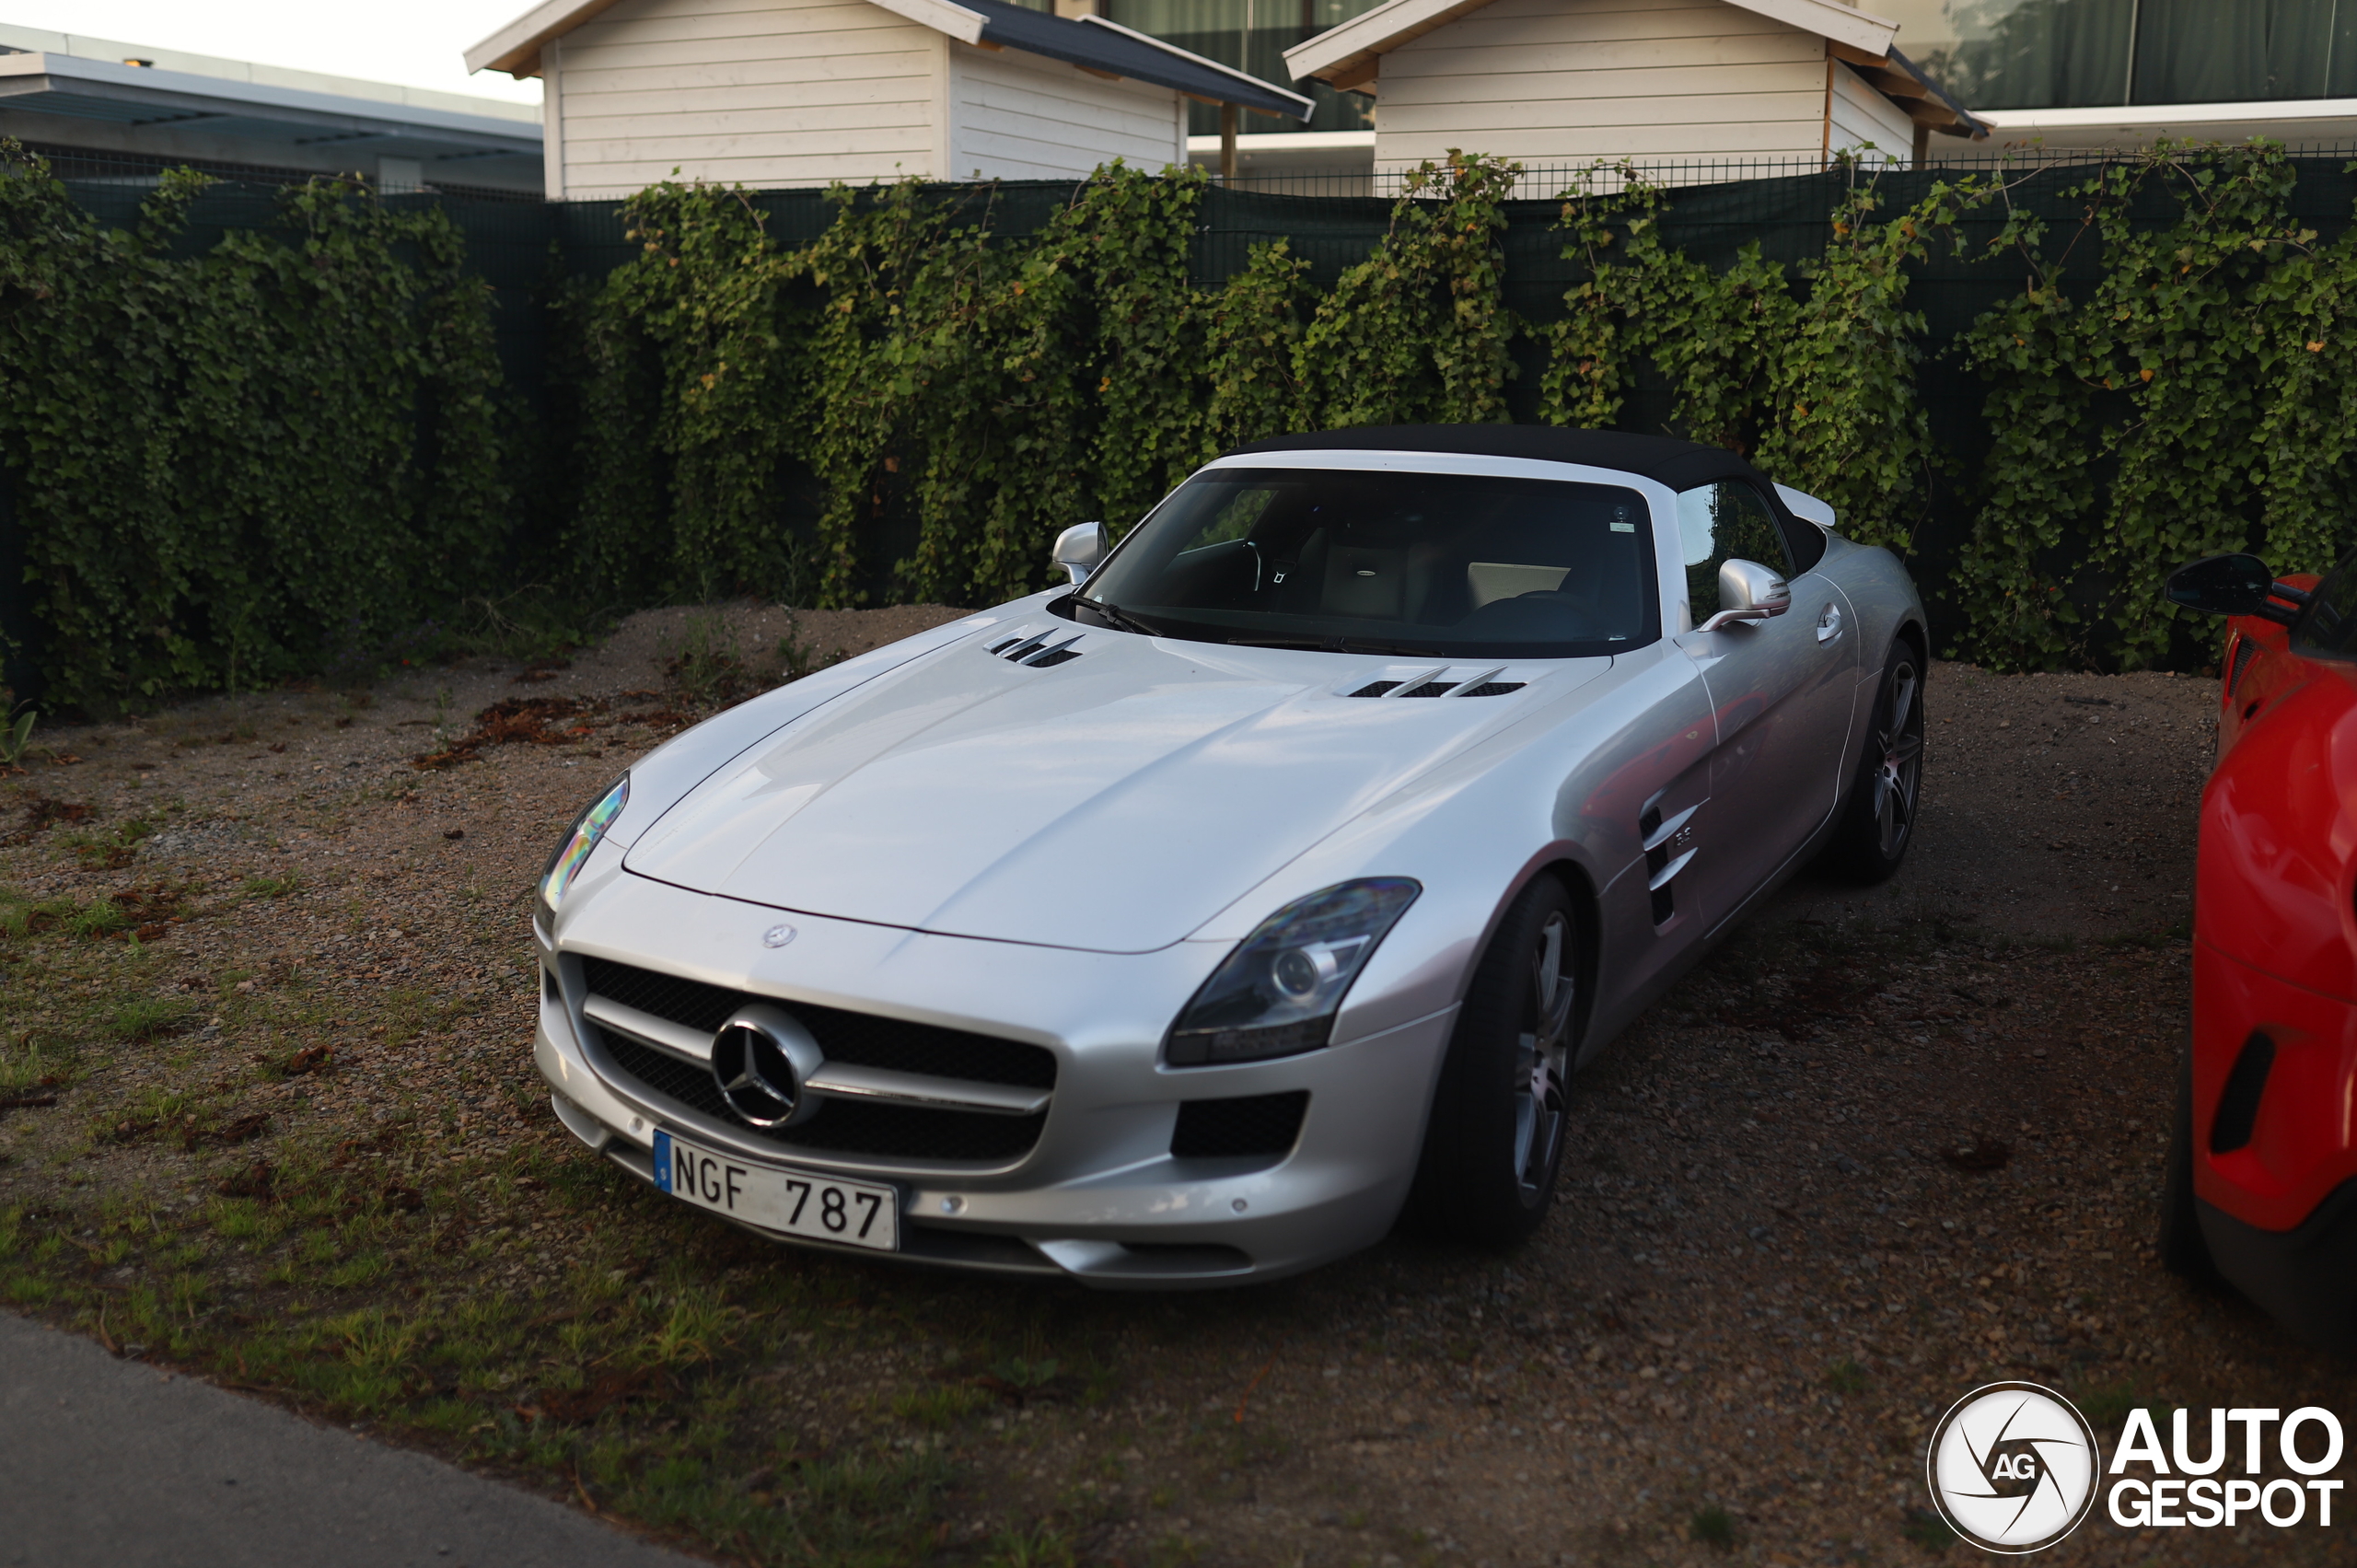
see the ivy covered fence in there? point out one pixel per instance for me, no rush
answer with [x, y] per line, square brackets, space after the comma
[237, 451]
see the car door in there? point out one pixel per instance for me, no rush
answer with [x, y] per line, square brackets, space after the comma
[1781, 692]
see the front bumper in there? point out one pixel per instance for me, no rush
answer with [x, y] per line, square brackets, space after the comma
[2304, 1278]
[1099, 1196]
[2295, 1143]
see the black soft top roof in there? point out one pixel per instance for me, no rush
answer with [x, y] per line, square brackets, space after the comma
[1680, 465]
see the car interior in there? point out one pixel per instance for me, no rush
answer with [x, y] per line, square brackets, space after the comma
[1449, 559]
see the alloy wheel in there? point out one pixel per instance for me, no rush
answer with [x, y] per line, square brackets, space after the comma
[1542, 1057]
[1899, 773]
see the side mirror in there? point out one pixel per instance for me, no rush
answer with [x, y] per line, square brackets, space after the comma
[1748, 591]
[1081, 549]
[2234, 585]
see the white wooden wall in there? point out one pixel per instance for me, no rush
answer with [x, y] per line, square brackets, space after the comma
[1553, 82]
[1862, 115]
[1016, 116]
[764, 92]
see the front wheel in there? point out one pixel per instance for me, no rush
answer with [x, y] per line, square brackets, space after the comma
[2185, 1251]
[1879, 823]
[1502, 1110]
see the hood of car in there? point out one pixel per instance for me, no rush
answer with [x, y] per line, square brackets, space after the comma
[1042, 783]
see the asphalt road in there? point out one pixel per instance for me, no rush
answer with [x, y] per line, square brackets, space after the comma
[114, 1462]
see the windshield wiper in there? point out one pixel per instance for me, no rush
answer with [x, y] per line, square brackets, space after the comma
[1335, 646]
[1116, 618]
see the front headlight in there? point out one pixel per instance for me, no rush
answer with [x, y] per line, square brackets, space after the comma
[573, 853]
[1277, 994]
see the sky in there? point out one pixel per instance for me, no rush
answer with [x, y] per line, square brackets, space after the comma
[416, 44]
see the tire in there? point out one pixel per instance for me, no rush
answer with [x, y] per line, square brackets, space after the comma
[1501, 1110]
[1878, 823]
[2184, 1250]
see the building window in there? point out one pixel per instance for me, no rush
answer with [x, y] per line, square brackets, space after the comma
[2100, 53]
[1253, 35]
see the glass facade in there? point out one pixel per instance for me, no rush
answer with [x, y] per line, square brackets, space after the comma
[2103, 53]
[1253, 35]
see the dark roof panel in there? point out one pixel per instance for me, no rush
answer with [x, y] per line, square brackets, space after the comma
[1124, 53]
[1679, 464]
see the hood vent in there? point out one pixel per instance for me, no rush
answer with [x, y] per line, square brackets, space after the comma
[1032, 648]
[1441, 683]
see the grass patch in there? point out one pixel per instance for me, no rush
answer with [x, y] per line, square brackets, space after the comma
[149, 1017]
[110, 849]
[1041, 1547]
[1928, 1531]
[709, 671]
[271, 886]
[1713, 1525]
[29, 1067]
[1846, 1377]
[938, 1408]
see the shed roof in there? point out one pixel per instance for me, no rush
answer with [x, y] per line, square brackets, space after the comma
[51, 83]
[1090, 42]
[1677, 464]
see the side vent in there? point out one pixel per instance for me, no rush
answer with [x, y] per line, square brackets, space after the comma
[2238, 1102]
[2245, 651]
[1661, 867]
[1377, 689]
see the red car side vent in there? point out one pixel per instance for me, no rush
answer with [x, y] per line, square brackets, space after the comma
[2238, 1102]
[2245, 651]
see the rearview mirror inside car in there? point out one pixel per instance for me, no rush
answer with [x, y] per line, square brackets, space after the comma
[2234, 585]
[1080, 548]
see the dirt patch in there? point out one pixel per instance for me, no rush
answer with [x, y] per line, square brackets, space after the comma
[1882, 1147]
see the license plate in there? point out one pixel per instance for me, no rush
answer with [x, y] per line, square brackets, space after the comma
[826, 1208]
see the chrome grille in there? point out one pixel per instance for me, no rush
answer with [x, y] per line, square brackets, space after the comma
[885, 1132]
[879, 1129]
[860, 1038]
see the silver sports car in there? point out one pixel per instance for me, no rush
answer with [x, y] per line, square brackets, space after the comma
[1202, 921]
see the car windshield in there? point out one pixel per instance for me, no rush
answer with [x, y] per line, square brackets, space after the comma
[1443, 565]
[2330, 627]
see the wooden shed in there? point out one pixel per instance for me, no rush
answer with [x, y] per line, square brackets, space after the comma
[1564, 83]
[776, 93]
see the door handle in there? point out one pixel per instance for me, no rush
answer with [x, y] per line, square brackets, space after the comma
[1829, 625]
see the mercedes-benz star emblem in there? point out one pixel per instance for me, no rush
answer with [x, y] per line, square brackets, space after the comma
[763, 1060]
[754, 1074]
[777, 937]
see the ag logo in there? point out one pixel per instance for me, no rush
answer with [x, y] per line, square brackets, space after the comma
[2014, 1466]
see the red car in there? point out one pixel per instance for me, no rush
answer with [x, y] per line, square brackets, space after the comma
[2261, 1184]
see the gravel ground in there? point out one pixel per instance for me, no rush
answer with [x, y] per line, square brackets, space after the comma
[1884, 1146]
